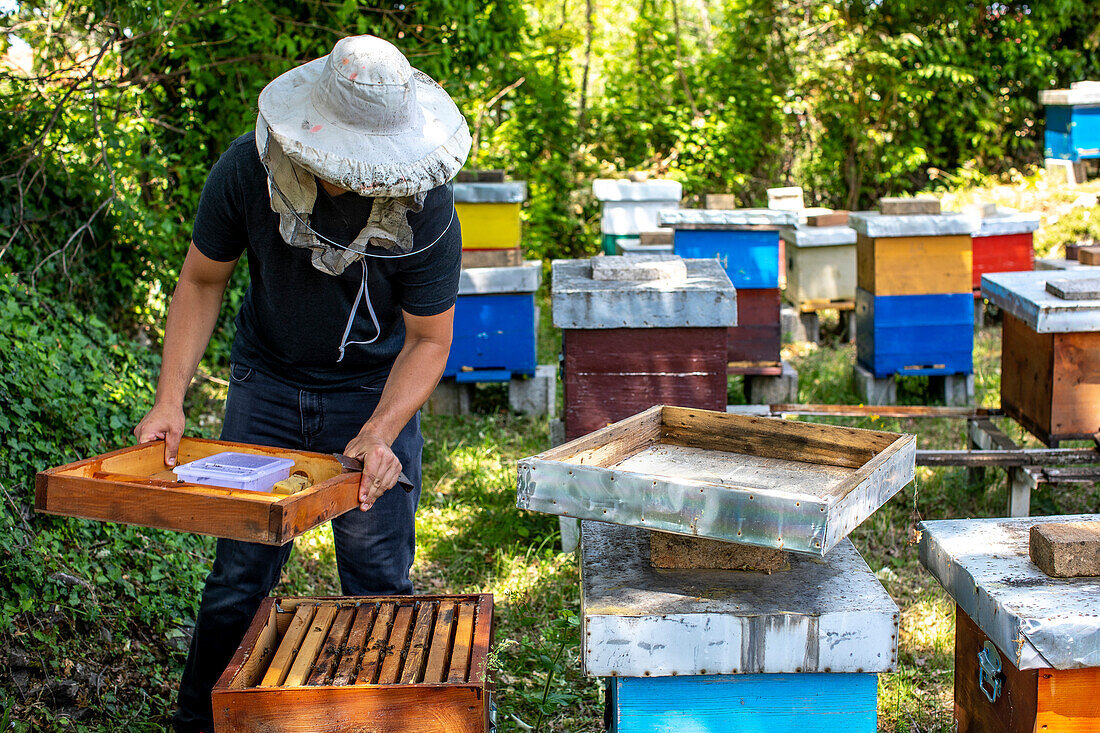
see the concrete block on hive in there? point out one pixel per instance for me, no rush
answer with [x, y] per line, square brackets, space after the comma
[891, 206]
[1066, 549]
[640, 268]
[677, 552]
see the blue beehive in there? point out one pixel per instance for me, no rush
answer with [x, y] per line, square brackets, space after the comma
[495, 324]
[1073, 121]
[915, 334]
[745, 241]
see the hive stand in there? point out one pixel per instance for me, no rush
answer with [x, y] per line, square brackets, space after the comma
[953, 389]
[529, 395]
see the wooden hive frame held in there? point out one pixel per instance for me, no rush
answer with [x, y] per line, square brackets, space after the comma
[414, 664]
[134, 486]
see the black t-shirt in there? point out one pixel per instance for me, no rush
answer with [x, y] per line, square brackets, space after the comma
[295, 318]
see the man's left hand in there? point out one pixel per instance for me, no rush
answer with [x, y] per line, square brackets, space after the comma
[380, 466]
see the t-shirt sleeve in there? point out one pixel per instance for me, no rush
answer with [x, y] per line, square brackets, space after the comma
[429, 284]
[220, 230]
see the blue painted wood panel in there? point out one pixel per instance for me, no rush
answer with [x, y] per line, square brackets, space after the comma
[915, 334]
[744, 703]
[1072, 133]
[750, 258]
[494, 337]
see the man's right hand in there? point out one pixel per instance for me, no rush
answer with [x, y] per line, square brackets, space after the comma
[162, 422]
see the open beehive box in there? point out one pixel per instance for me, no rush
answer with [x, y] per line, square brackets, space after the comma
[134, 486]
[793, 486]
[415, 664]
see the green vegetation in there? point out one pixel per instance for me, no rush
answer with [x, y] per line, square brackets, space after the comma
[113, 111]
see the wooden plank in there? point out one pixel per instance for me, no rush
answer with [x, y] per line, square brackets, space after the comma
[1027, 374]
[608, 445]
[1075, 392]
[902, 411]
[333, 648]
[482, 641]
[296, 514]
[255, 651]
[1066, 549]
[288, 647]
[463, 643]
[356, 642]
[1017, 457]
[440, 655]
[663, 236]
[1068, 701]
[836, 218]
[242, 494]
[1088, 255]
[376, 646]
[624, 351]
[388, 709]
[1013, 711]
[412, 670]
[395, 647]
[772, 438]
[311, 645]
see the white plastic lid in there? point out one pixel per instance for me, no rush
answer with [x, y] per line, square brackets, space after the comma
[235, 470]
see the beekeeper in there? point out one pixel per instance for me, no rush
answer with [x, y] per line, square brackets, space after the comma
[341, 201]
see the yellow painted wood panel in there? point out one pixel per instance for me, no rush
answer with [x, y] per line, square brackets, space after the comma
[489, 226]
[915, 265]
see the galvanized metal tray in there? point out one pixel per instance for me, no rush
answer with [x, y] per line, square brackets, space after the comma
[1037, 621]
[1025, 295]
[819, 616]
[794, 486]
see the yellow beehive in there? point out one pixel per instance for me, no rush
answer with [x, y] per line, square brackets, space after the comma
[490, 213]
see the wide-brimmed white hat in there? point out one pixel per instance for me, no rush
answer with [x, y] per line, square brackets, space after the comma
[363, 119]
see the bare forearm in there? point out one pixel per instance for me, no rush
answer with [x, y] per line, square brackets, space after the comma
[415, 373]
[192, 316]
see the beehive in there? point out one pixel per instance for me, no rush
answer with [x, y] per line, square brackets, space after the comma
[821, 265]
[495, 324]
[914, 297]
[1072, 121]
[1027, 646]
[1004, 243]
[490, 213]
[630, 343]
[631, 207]
[408, 664]
[1050, 351]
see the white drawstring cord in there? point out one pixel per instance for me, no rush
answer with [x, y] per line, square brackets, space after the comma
[351, 317]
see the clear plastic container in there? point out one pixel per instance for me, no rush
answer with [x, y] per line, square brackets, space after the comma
[232, 470]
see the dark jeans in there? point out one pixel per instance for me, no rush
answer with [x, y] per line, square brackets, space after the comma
[374, 549]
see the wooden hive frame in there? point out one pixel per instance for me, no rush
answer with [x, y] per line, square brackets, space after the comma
[134, 486]
[415, 664]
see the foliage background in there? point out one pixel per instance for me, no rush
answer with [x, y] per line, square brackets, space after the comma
[112, 111]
